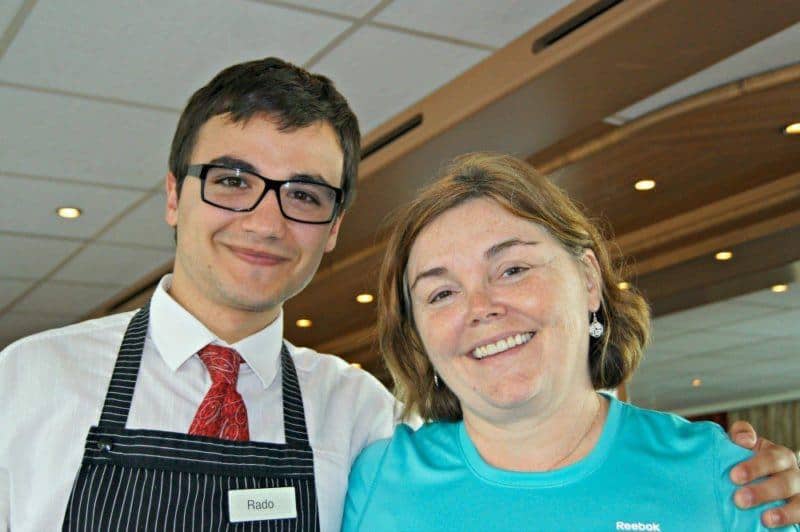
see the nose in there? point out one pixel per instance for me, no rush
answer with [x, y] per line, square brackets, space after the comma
[484, 307]
[266, 220]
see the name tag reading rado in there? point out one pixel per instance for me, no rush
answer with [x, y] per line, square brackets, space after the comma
[261, 504]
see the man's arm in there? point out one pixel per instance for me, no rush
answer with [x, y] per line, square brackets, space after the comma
[777, 463]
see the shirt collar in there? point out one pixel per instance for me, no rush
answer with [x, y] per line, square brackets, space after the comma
[178, 335]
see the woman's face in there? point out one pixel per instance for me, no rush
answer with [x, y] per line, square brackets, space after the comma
[502, 309]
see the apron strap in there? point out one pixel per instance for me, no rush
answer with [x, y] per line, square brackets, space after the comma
[294, 419]
[126, 370]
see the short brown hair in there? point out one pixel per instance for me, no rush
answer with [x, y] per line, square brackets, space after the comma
[286, 93]
[522, 191]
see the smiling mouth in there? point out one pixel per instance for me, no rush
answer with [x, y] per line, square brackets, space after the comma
[257, 257]
[502, 345]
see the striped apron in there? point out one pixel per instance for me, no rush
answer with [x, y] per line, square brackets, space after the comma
[157, 480]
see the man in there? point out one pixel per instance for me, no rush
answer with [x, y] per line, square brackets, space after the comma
[204, 416]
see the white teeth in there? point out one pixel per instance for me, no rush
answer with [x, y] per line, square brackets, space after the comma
[501, 345]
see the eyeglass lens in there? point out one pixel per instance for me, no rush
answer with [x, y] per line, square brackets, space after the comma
[310, 202]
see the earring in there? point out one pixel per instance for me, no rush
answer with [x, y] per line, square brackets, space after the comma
[436, 382]
[595, 328]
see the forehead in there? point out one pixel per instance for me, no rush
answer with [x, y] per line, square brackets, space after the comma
[276, 153]
[468, 231]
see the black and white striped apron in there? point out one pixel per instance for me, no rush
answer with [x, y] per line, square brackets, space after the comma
[158, 480]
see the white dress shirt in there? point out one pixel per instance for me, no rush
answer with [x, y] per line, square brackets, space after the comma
[53, 384]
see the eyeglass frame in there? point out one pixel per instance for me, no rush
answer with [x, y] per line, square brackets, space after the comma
[200, 171]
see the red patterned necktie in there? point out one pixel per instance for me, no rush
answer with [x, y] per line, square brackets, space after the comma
[222, 414]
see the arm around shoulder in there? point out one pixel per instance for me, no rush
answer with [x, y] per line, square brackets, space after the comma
[726, 456]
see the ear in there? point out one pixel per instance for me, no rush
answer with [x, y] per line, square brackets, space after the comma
[171, 188]
[594, 280]
[334, 234]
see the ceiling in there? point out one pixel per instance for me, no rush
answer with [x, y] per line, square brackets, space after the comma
[693, 95]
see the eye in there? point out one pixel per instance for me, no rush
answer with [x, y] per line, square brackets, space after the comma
[439, 296]
[514, 270]
[231, 181]
[303, 197]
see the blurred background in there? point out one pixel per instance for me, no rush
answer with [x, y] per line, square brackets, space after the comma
[675, 122]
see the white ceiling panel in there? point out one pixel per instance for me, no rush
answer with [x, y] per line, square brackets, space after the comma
[491, 23]
[155, 51]
[381, 72]
[776, 51]
[8, 8]
[781, 324]
[107, 263]
[31, 257]
[29, 205]
[73, 138]
[352, 8]
[70, 300]
[10, 289]
[712, 316]
[768, 298]
[144, 226]
[695, 342]
[16, 325]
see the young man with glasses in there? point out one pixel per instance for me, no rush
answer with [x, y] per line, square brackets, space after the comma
[199, 415]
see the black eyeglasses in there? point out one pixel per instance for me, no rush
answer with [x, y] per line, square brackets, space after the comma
[237, 190]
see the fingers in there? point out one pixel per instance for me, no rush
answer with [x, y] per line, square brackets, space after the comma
[782, 485]
[743, 434]
[769, 459]
[785, 515]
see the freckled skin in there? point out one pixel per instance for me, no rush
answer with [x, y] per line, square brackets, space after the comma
[523, 288]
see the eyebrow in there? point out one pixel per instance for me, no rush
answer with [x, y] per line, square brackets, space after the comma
[241, 164]
[502, 246]
[493, 251]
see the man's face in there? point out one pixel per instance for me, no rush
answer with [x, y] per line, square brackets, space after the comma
[250, 261]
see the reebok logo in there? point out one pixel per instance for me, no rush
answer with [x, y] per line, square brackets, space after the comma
[621, 525]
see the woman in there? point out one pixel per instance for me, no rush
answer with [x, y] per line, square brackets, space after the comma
[499, 319]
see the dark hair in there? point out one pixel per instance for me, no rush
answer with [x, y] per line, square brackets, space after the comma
[288, 94]
[522, 191]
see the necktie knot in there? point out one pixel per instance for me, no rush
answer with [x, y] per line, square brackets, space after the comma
[222, 414]
[222, 364]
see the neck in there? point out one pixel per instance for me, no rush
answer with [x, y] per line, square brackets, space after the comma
[560, 436]
[227, 323]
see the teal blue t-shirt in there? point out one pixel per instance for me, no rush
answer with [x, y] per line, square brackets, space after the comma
[648, 471]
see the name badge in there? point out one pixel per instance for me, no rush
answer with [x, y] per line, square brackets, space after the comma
[261, 504]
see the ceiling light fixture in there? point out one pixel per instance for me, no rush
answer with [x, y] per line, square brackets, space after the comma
[696, 383]
[645, 184]
[69, 212]
[724, 255]
[624, 285]
[303, 323]
[792, 129]
[779, 288]
[364, 298]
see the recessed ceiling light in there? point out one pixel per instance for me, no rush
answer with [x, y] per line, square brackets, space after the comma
[624, 285]
[724, 255]
[792, 129]
[696, 383]
[69, 212]
[356, 365]
[779, 288]
[303, 322]
[645, 184]
[364, 298]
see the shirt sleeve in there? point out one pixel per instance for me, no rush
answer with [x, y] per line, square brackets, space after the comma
[727, 455]
[4, 500]
[359, 487]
